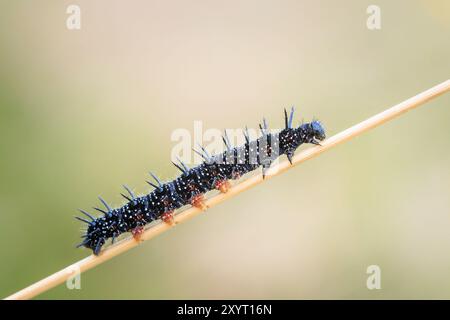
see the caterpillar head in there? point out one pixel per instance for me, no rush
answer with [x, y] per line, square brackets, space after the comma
[318, 130]
[313, 132]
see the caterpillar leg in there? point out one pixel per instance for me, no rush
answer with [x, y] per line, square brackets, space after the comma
[223, 185]
[137, 233]
[199, 202]
[167, 217]
[236, 175]
[264, 170]
[289, 156]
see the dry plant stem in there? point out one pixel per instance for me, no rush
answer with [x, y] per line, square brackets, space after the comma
[125, 245]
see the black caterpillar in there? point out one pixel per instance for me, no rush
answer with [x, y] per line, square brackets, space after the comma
[193, 183]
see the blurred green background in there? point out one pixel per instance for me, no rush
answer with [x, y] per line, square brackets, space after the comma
[83, 111]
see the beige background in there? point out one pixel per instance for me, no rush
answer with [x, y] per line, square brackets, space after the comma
[84, 111]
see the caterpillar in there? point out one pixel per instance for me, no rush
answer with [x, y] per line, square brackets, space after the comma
[190, 186]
